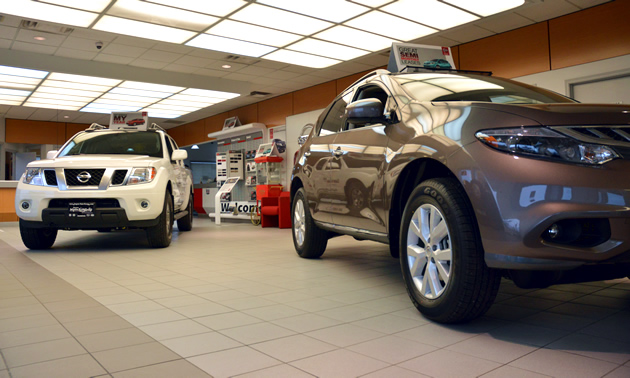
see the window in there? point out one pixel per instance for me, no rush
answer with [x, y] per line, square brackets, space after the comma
[169, 147]
[123, 143]
[335, 118]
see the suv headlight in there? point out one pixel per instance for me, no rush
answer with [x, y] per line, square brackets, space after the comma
[141, 175]
[540, 142]
[33, 176]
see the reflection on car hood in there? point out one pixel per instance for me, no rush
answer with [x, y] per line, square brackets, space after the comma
[566, 114]
[103, 161]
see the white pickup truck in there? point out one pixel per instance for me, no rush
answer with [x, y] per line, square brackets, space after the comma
[105, 180]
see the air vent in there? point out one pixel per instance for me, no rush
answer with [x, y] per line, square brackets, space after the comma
[45, 28]
[241, 59]
[259, 94]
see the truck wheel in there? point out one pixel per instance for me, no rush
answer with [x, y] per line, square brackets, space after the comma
[309, 240]
[37, 238]
[442, 257]
[160, 235]
[185, 223]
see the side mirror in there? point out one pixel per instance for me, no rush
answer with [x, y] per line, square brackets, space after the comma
[179, 155]
[305, 132]
[51, 154]
[369, 110]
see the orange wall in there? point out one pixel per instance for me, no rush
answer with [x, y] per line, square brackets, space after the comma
[40, 132]
[7, 206]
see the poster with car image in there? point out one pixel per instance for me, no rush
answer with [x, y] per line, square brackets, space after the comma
[129, 121]
[423, 56]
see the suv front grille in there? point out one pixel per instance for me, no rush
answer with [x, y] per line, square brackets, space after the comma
[100, 202]
[95, 177]
[119, 176]
[51, 177]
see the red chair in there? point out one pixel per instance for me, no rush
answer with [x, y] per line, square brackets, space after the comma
[276, 211]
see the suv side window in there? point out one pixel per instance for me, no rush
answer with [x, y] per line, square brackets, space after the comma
[169, 148]
[335, 119]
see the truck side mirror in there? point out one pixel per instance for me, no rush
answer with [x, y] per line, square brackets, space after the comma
[369, 110]
[179, 155]
[51, 154]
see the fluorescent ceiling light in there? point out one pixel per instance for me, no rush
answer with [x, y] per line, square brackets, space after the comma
[170, 101]
[139, 99]
[331, 10]
[353, 37]
[186, 98]
[84, 79]
[486, 7]
[80, 86]
[10, 102]
[52, 101]
[51, 106]
[137, 92]
[14, 92]
[209, 93]
[163, 115]
[162, 110]
[110, 101]
[19, 80]
[150, 87]
[112, 108]
[218, 8]
[12, 98]
[39, 94]
[14, 71]
[47, 12]
[253, 33]
[143, 29]
[69, 92]
[301, 59]
[174, 108]
[331, 50]
[229, 45]
[88, 5]
[159, 14]
[9, 85]
[403, 30]
[279, 19]
[372, 3]
[431, 13]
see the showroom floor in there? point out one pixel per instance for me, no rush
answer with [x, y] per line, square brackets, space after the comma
[236, 300]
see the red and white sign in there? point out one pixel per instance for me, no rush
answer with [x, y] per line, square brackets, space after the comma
[129, 121]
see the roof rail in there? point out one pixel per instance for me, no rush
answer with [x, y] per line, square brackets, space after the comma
[155, 126]
[96, 126]
[414, 69]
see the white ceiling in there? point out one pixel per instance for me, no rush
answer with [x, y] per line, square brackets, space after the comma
[131, 58]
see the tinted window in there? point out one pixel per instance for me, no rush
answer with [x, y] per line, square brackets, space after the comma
[122, 143]
[442, 87]
[336, 116]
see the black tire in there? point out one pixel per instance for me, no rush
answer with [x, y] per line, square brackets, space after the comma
[160, 235]
[185, 223]
[309, 240]
[463, 287]
[37, 238]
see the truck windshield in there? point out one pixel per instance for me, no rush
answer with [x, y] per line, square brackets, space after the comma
[453, 87]
[119, 143]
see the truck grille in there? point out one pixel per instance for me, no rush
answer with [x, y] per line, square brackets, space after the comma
[95, 176]
[119, 176]
[99, 202]
[51, 177]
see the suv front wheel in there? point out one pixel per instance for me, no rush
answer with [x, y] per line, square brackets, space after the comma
[160, 235]
[441, 254]
[37, 238]
[309, 240]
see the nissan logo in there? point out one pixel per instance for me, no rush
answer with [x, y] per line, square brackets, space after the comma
[84, 177]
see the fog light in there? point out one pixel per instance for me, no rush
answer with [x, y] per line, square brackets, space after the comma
[553, 231]
[144, 204]
[25, 205]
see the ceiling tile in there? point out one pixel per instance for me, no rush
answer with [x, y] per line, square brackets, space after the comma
[253, 70]
[308, 79]
[546, 10]
[193, 61]
[133, 41]
[173, 48]
[213, 73]
[20, 112]
[5, 43]
[44, 114]
[375, 60]
[80, 44]
[180, 68]
[265, 80]
[218, 65]
[77, 54]
[436, 40]
[329, 73]
[123, 50]
[282, 75]
[271, 64]
[161, 56]
[588, 3]
[29, 35]
[505, 22]
[239, 76]
[31, 47]
[4, 109]
[148, 64]
[107, 58]
[298, 69]
[9, 20]
[93, 34]
[467, 33]
[7, 32]
[208, 54]
[352, 67]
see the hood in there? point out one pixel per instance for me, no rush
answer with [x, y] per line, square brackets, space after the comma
[97, 161]
[566, 114]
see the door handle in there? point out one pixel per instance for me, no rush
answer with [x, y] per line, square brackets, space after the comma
[338, 152]
[307, 153]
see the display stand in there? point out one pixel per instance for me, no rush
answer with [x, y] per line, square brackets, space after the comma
[225, 189]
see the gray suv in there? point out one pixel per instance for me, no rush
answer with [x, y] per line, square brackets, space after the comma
[468, 178]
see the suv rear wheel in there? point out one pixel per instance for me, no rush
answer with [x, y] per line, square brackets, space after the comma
[160, 235]
[309, 240]
[441, 254]
[37, 238]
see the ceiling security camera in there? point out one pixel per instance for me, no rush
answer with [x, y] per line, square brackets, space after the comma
[99, 45]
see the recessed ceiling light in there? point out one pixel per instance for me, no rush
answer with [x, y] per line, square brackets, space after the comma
[66, 116]
[279, 19]
[331, 10]
[48, 12]
[404, 30]
[486, 7]
[14, 71]
[39, 38]
[217, 8]
[194, 147]
[253, 33]
[91, 5]
[226, 66]
[431, 13]
[329, 49]
[143, 29]
[357, 38]
[229, 45]
[159, 14]
[301, 59]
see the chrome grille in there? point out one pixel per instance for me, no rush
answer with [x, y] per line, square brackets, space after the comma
[95, 177]
[119, 176]
[51, 177]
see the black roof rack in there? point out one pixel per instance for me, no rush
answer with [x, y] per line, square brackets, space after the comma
[414, 69]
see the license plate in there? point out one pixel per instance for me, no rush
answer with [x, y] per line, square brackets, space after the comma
[81, 209]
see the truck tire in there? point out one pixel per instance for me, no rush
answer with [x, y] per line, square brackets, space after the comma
[309, 240]
[185, 223]
[160, 235]
[37, 238]
[441, 254]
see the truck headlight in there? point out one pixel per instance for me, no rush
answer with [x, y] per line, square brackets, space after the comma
[540, 142]
[141, 175]
[33, 176]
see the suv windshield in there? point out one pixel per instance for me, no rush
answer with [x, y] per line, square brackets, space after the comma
[107, 143]
[452, 87]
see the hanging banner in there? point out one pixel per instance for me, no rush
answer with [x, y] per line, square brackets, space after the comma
[424, 56]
